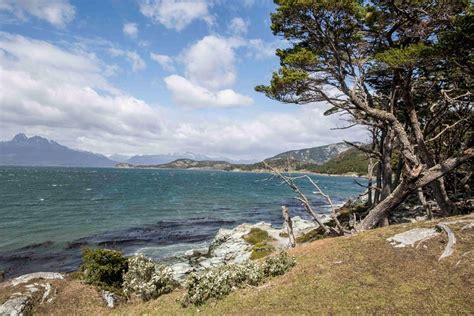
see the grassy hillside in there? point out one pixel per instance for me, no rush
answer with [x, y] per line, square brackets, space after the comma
[350, 161]
[361, 274]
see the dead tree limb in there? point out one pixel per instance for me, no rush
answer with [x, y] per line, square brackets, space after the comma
[301, 197]
[448, 250]
[289, 226]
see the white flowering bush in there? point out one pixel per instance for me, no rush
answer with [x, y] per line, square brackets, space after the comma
[278, 264]
[146, 279]
[218, 282]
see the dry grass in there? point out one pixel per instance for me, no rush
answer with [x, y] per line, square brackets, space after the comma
[347, 275]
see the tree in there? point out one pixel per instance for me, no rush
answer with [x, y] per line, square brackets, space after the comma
[390, 65]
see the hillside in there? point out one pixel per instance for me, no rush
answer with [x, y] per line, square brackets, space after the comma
[351, 161]
[360, 274]
[332, 159]
[193, 164]
[39, 151]
[314, 155]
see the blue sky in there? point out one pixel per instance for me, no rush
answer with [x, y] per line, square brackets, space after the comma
[149, 77]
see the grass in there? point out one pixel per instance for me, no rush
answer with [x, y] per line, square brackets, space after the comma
[361, 274]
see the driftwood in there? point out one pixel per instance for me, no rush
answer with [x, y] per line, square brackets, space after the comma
[289, 226]
[449, 249]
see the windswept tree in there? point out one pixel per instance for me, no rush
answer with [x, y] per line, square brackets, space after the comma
[402, 68]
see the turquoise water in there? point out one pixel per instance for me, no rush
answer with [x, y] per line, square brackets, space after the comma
[47, 214]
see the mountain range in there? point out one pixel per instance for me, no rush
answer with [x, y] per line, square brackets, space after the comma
[39, 151]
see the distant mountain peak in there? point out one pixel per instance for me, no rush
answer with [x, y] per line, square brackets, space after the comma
[40, 151]
[20, 137]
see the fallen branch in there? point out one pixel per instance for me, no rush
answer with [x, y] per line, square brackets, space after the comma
[448, 250]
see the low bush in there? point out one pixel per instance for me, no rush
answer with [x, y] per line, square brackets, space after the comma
[103, 267]
[146, 279]
[278, 264]
[219, 282]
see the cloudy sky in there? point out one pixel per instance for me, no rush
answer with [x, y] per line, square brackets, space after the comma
[150, 77]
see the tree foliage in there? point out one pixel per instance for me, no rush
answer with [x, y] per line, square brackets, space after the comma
[403, 68]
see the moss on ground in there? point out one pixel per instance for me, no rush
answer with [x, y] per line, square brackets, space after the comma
[361, 274]
[256, 235]
[312, 235]
[260, 240]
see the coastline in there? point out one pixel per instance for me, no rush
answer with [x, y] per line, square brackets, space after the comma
[258, 171]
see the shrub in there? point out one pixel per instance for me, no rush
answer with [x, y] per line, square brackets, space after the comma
[218, 282]
[278, 264]
[146, 279]
[103, 267]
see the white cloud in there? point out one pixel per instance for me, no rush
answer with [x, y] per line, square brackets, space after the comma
[56, 12]
[135, 60]
[176, 14]
[260, 49]
[209, 73]
[130, 29]
[264, 135]
[63, 93]
[210, 62]
[188, 94]
[238, 26]
[165, 61]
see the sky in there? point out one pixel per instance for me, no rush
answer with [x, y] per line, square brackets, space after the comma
[151, 77]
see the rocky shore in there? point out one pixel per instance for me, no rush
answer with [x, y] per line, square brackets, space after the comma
[230, 246]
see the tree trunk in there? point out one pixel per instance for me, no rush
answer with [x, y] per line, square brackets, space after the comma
[370, 168]
[438, 188]
[289, 226]
[408, 185]
[426, 206]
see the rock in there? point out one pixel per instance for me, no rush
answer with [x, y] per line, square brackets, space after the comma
[181, 271]
[16, 306]
[2, 276]
[301, 226]
[409, 238]
[47, 291]
[196, 252]
[109, 299]
[37, 275]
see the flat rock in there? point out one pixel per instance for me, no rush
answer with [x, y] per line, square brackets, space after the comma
[37, 275]
[16, 306]
[410, 237]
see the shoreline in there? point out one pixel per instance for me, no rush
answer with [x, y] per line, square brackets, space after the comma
[349, 175]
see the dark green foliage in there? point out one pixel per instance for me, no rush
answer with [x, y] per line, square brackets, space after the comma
[103, 267]
[350, 161]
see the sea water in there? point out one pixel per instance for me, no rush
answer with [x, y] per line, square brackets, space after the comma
[48, 214]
